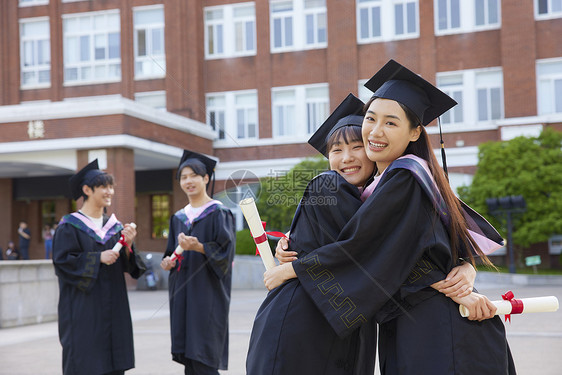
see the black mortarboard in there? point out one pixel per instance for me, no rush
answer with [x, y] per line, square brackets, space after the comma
[195, 158]
[83, 177]
[348, 113]
[396, 82]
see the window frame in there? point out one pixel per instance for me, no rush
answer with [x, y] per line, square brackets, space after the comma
[300, 105]
[467, 18]
[550, 79]
[36, 68]
[32, 3]
[298, 14]
[229, 128]
[549, 14]
[387, 20]
[228, 24]
[164, 220]
[469, 105]
[91, 62]
[150, 57]
[145, 94]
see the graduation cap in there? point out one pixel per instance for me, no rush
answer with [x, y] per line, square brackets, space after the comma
[348, 113]
[195, 159]
[396, 82]
[83, 177]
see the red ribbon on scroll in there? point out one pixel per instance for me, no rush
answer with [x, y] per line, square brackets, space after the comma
[516, 304]
[124, 243]
[263, 237]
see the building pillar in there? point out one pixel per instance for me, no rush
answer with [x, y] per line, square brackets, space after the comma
[121, 164]
[518, 57]
[342, 44]
[6, 221]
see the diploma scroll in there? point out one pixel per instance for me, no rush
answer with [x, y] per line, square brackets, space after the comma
[177, 252]
[250, 211]
[521, 306]
[119, 244]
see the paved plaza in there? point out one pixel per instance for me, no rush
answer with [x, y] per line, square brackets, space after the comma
[535, 339]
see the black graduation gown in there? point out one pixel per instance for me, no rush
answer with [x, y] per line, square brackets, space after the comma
[200, 290]
[393, 241]
[95, 327]
[290, 335]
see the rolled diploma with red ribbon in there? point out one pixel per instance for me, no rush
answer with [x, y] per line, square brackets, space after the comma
[119, 244]
[530, 305]
[250, 211]
[177, 252]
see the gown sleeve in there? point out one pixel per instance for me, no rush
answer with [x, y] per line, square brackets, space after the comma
[73, 265]
[352, 279]
[172, 236]
[327, 205]
[220, 251]
[133, 263]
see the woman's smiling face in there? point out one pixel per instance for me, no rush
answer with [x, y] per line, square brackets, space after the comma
[351, 162]
[386, 132]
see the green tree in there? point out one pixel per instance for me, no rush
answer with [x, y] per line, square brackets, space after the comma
[531, 167]
[280, 194]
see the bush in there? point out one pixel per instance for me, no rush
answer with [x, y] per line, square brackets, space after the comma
[245, 243]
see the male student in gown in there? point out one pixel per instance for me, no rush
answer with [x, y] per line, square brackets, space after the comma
[200, 279]
[95, 327]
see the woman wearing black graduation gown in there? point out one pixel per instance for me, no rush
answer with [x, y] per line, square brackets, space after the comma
[200, 281]
[95, 325]
[407, 220]
[289, 335]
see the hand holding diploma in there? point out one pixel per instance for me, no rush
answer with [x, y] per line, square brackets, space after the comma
[510, 305]
[177, 253]
[127, 236]
[252, 216]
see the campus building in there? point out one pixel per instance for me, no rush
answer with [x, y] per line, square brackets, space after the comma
[134, 82]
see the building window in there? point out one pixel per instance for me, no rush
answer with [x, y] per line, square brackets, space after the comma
[233, 114]
[489, 99]
[369, 19]
[548, 8]
[487, 12]
[35, 53]
[48, 213]
[448, 14]
[298, 25]
[452, 85]
[549, 87]
[230, 30]
[246, 116]
[25, 3]
[476, 15]
[295, 105]
[92, 47]
[317, 108]
[150, 58]
[160, 215]
[479, 94]
[379, 20]
[405, 17]
[315, 20]
[153, 99]
[216, 107]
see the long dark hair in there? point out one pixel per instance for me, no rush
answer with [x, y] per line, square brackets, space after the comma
[458, 231]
